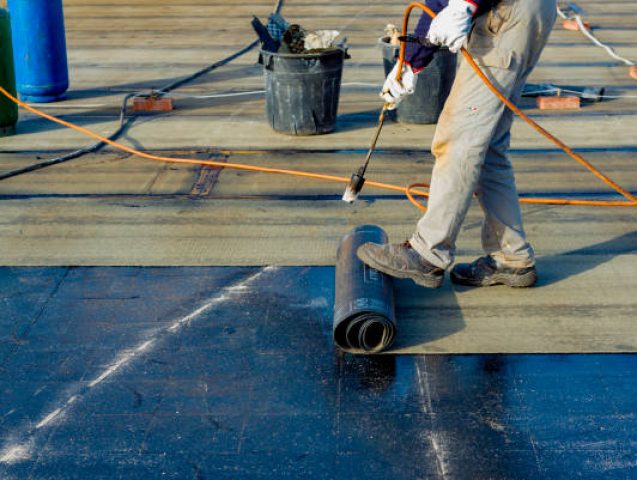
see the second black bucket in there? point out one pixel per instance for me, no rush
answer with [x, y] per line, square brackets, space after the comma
[302, 91]
[432, 88]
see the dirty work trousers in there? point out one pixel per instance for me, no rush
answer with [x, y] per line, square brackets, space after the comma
[473, 133]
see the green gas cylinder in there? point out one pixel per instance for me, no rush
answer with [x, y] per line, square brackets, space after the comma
[8, 109]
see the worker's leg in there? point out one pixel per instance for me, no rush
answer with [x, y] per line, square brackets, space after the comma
[506, 43]
[503, 234]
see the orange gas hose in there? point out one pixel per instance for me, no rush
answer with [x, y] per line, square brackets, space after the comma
[531, 122]
[409, 191]
[194, 161]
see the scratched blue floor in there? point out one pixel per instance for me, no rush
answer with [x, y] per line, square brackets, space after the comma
[107, 373]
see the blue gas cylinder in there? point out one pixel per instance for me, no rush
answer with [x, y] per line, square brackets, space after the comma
[39, 48]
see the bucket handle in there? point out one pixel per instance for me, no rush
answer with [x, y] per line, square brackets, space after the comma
[266, 61]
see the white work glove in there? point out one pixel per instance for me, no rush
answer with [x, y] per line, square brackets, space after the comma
[395, 91]
[451, 26]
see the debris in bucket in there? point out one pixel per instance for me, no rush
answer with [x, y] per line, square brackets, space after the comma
[393, 34]
[277, 25]
[267, 42]
[279, 36]
[293, 40]
[321, 39]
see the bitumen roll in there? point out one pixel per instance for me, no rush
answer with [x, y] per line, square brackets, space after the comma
[364, 311]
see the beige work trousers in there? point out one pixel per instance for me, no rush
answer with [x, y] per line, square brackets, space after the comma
[473, 135]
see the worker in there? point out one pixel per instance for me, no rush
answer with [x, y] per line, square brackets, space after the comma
[471, 142]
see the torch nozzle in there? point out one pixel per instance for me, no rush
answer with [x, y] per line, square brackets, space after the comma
[358, 179]
[354, 188]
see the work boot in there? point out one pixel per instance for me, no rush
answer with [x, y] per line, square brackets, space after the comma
[485, 271]
[401, 261]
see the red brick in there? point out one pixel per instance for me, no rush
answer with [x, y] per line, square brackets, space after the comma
[151, 104]
[571, 24]
[558, 103]
[632, 71]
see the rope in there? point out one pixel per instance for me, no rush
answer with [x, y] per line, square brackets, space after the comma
[588, 34]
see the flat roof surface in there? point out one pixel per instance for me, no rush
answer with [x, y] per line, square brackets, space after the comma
[166, 321]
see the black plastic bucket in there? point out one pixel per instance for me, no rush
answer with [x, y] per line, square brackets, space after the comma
[302, 91]
[432, 88]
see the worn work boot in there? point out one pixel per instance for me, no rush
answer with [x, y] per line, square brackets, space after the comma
[485, 271]
[401, 261]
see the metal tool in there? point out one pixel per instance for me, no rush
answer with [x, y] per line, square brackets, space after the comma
[419, 40]
[358, 179]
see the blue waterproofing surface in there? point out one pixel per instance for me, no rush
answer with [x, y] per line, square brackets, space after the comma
[230, 373]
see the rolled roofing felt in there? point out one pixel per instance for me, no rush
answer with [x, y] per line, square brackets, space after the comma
[364, 312]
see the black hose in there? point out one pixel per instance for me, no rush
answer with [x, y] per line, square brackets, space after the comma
[123, 122]
[180, 83]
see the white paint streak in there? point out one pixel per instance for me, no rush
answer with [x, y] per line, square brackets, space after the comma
[427, 407]
[49, 418]
[55, 414]
[224, 296]
[425, 392]
[123, 359]
[128, 355]
[14, 453]
[439, 451]
[237, 288]
[188, 318]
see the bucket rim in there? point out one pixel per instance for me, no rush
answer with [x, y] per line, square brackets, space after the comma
[384, 42]
[327, 52]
